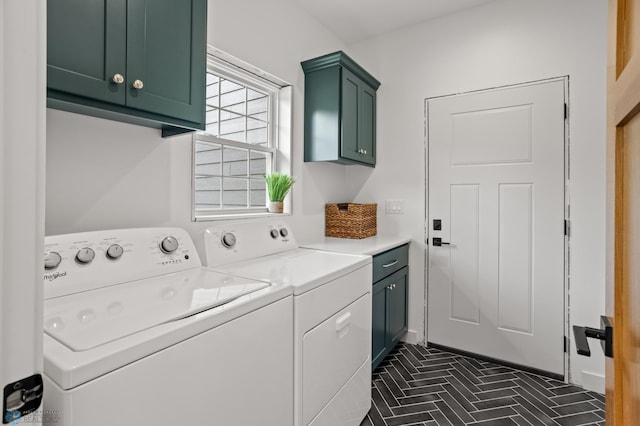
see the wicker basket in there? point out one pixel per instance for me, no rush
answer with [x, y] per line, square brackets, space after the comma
[346, 220]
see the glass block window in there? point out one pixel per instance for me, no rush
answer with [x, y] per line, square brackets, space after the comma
[239, 145]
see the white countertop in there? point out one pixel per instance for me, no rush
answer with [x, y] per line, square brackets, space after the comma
[370, 246]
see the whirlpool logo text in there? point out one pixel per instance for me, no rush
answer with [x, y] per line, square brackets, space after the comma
[54, 276]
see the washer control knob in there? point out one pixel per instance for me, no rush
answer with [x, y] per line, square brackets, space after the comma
[52, 259]
[114, 251]
[284, 232]
[85, 255]
[228, 240]
[168, 245]
[274, 233]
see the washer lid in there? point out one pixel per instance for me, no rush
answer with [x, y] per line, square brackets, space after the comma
[304, 269]
[86, 320]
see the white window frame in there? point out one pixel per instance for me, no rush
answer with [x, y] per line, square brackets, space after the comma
[280, 94]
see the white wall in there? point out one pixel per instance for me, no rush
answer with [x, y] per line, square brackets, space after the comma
[103, 174]
[501, 43]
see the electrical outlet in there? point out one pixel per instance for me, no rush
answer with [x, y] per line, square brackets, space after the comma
[394, 206]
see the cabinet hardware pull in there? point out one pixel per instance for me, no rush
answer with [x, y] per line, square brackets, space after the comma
[343, 322]
[390, 264]
[118, 78]
[138, 84]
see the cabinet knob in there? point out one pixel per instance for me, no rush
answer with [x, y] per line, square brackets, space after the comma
[118, 78]
[138, 84]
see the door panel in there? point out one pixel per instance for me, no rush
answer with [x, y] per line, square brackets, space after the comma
[397, 306]
[464, 279]
[350, 115]
[623, 212]
[515, 258]
[379, 321]
[86, 41]
[496, 180]
[368, 124]
[164, 56]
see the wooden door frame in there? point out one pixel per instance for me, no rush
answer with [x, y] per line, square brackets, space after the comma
[566, 312]
[623, 106]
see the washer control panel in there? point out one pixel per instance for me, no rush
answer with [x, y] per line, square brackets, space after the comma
[90, 260]
[246, 240]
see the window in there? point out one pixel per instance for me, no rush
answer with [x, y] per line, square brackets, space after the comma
[247, 136]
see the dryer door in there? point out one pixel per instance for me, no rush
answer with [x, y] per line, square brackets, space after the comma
[332, 353]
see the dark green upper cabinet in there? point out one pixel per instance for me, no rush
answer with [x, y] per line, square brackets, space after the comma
[339, 111]
[138, 61]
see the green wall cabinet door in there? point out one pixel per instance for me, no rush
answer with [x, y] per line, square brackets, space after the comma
[389, 302]
[339, 111]
[85, 44]
[138, 61]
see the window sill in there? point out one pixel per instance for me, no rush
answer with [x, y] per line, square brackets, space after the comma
[233, 216]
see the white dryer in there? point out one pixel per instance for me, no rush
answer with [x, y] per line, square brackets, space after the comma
[332, 314]
[138, 333]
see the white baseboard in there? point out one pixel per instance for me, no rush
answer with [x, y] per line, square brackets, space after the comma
[593, 382]
[411, 337]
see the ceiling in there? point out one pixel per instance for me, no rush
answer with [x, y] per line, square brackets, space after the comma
[356, 20]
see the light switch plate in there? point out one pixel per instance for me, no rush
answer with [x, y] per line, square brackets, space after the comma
[394, 206]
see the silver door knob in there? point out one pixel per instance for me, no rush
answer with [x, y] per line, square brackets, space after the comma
[118, 78]
[138, 84]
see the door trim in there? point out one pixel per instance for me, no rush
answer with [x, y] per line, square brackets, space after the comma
[567, 214]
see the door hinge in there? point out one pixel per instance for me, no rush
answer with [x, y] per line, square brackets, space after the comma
[566, 113]
[566, 343]
[567, 227]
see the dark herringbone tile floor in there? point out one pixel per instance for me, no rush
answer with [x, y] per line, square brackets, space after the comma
[415, 385]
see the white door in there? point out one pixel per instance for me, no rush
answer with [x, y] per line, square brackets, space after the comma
[22, 144]
[496, 183]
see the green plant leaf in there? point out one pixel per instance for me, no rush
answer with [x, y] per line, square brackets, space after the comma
[278, 185]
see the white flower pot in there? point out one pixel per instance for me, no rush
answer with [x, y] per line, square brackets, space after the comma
[276, 206]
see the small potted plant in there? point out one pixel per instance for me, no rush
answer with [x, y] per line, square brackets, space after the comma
[278, 185]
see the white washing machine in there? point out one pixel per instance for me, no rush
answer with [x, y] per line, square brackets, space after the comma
[137, 332]
[331, 320]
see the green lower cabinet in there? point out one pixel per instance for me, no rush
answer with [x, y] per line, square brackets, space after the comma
[138, 61]
[389, 314]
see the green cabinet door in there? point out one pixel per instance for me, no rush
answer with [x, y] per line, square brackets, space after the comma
[165, 57]
[350, 118]
[388, 314]
[397, 307]
[378, 323]
[358, 119]
[367, 141]
[138, 61]
[86, 40]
